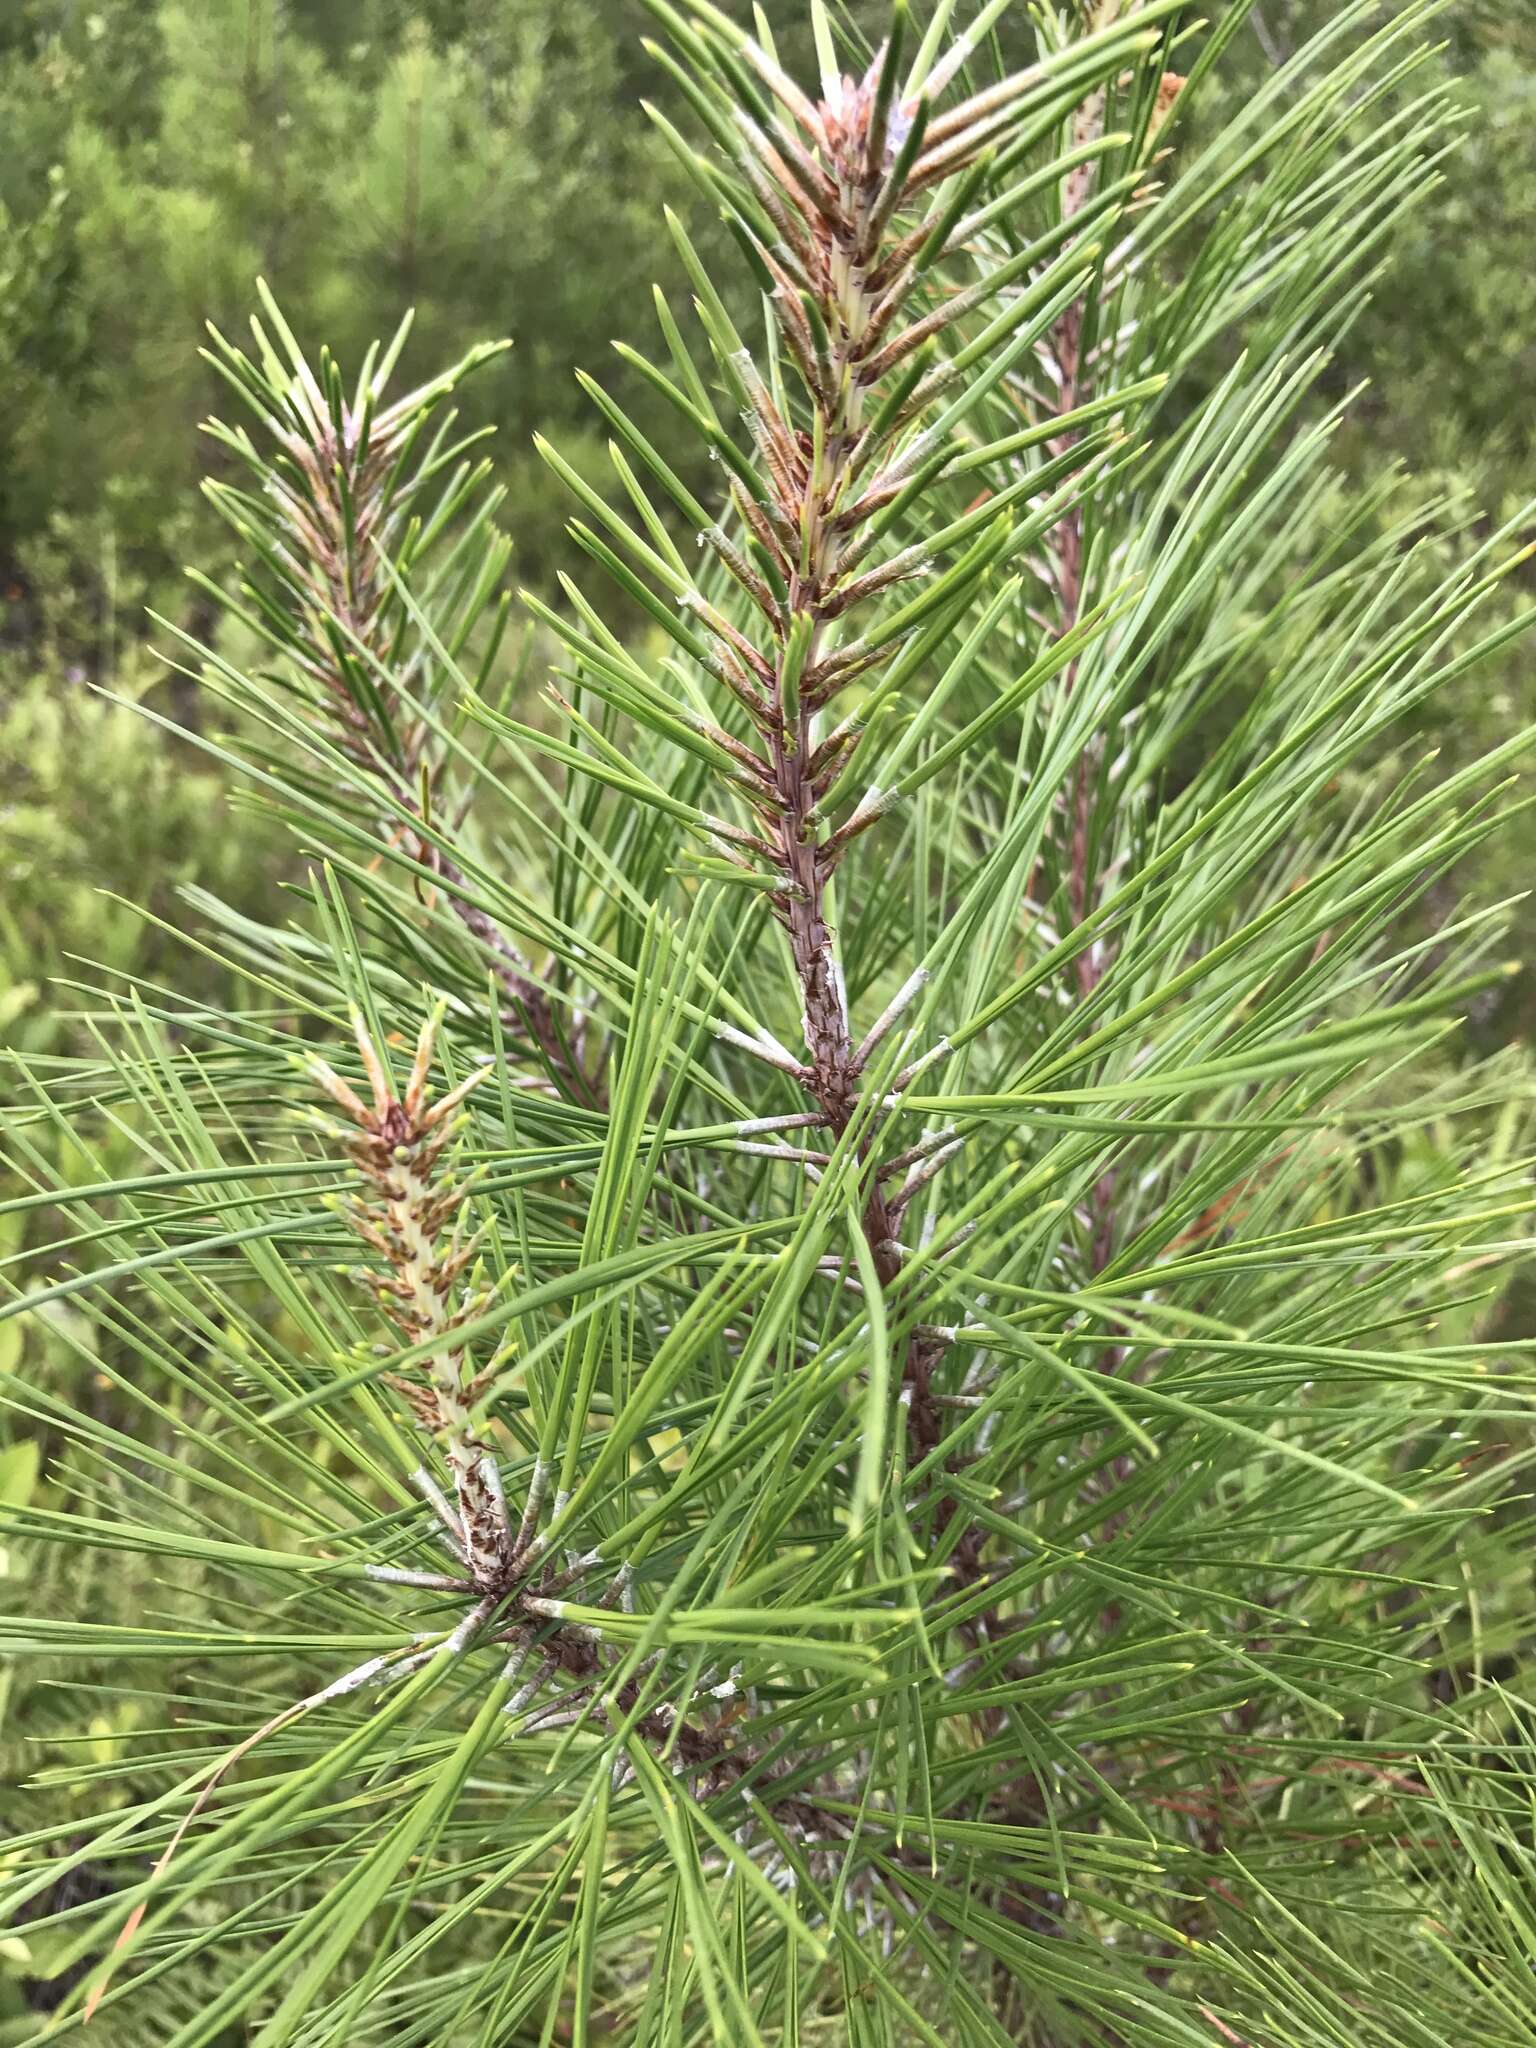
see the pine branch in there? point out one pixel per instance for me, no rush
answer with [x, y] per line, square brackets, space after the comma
[347, 489]
[788, 1554]
[413, 1219]
[832, 183]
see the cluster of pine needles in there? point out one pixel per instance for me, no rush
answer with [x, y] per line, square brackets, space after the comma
[818, 1354]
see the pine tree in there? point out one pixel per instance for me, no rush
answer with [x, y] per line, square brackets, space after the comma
[818, 1362]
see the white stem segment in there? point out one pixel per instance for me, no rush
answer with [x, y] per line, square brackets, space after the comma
[904, 997]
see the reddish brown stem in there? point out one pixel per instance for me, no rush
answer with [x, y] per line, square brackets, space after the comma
[351, 587]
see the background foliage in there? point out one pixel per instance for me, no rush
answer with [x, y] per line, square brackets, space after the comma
[159, 156]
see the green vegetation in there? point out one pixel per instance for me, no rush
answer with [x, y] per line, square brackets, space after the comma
[161, 157]
[777, 1295]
